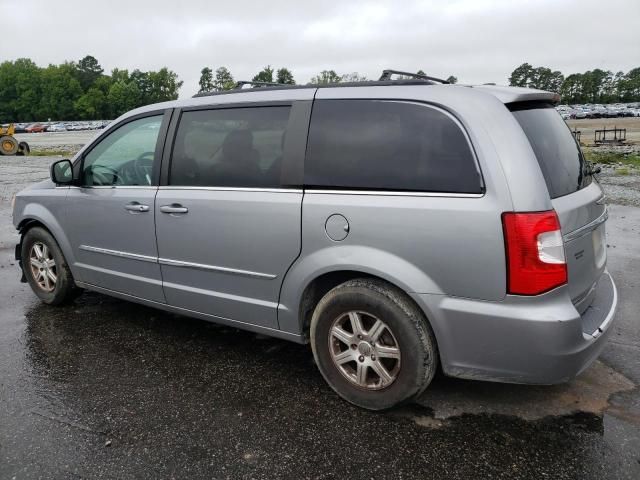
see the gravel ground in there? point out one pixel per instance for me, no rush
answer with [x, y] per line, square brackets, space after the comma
[621, 184]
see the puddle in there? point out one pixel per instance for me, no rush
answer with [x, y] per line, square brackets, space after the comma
[589, 393]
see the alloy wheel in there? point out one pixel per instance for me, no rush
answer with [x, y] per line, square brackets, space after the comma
[364, 349]
[43, 266]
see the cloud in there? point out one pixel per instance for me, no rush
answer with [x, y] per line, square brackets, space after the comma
[476, 40]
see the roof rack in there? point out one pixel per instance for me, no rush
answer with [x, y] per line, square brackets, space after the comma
[242, 83]
[239, 85]
[386, 75]
[385, 79]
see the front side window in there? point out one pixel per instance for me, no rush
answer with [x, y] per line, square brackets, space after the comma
[388, 145]
[230, 147]
[125, 157]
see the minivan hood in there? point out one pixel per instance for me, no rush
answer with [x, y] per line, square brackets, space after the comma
[41, 185]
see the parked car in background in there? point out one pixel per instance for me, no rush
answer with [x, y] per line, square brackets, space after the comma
[57, 127]
[612, 112]
[36, 128]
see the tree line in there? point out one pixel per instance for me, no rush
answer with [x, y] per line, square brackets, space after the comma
[78, 90]
[82, 90]
[593, 86]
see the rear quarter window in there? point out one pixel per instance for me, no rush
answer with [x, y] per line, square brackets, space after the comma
[562, 164]
[388, 145]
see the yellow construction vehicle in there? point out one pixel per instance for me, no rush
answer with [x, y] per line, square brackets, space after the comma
[8, 143]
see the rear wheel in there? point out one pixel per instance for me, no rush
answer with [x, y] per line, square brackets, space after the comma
[46, 269]
[372, 344]
[8, 145]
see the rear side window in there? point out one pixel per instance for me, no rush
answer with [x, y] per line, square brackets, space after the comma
[564, 169]
[378, 144]
[230, 147]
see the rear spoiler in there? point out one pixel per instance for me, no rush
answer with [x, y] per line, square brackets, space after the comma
[519, 94]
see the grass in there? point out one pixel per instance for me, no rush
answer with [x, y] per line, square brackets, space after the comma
[612, 158]
[51, 153]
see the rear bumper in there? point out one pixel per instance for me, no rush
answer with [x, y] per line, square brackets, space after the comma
[540, 340]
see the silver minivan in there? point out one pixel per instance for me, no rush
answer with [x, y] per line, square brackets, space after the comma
[395, 226]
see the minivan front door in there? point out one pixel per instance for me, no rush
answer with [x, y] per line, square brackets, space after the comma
[228, 220]
[110, 217]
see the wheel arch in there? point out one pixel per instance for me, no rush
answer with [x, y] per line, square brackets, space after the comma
[35, 215]
[306, 283]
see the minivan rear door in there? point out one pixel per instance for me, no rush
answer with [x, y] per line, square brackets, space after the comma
[575, 195]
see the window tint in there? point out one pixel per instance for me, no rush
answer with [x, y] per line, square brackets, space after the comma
[371, 144]
[235, 147]
[124, 157]
[563, 166]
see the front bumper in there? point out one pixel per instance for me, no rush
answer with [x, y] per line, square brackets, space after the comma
[540, 340]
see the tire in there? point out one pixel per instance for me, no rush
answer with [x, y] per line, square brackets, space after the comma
[8, 145]
[405, 327]
[58, 288]
[23, 149]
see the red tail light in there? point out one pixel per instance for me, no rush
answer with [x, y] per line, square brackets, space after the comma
[535, 252]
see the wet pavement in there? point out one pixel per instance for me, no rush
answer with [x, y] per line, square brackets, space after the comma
[103, 388]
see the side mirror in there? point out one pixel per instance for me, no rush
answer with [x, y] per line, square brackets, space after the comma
[62, 172]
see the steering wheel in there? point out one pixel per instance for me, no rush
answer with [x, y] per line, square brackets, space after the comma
[109, 177]
[143, 165]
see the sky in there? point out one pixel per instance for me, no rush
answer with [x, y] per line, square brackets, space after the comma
[477, 41]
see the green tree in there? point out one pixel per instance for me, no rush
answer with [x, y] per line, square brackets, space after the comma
[91, 105]
[521, 76]
[206, 80]
[628, 86]
[123, 97]
[224, 80]
[88, 71]
[20, 90]
[285, 76]
[143, 82]
[119, 75]
[60, 91]
[264, 75]
[571, 89]
[353, 77]
[165, 85]
[544, 78]
[325, 77]
[452, 79]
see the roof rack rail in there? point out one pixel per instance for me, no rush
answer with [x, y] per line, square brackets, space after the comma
[386, 75]
[242, 83]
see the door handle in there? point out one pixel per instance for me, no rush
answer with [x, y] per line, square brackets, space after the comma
[136, 207]
[173, 208]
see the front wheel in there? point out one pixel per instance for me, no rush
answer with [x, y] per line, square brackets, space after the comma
[372, 345]
[46, 269]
